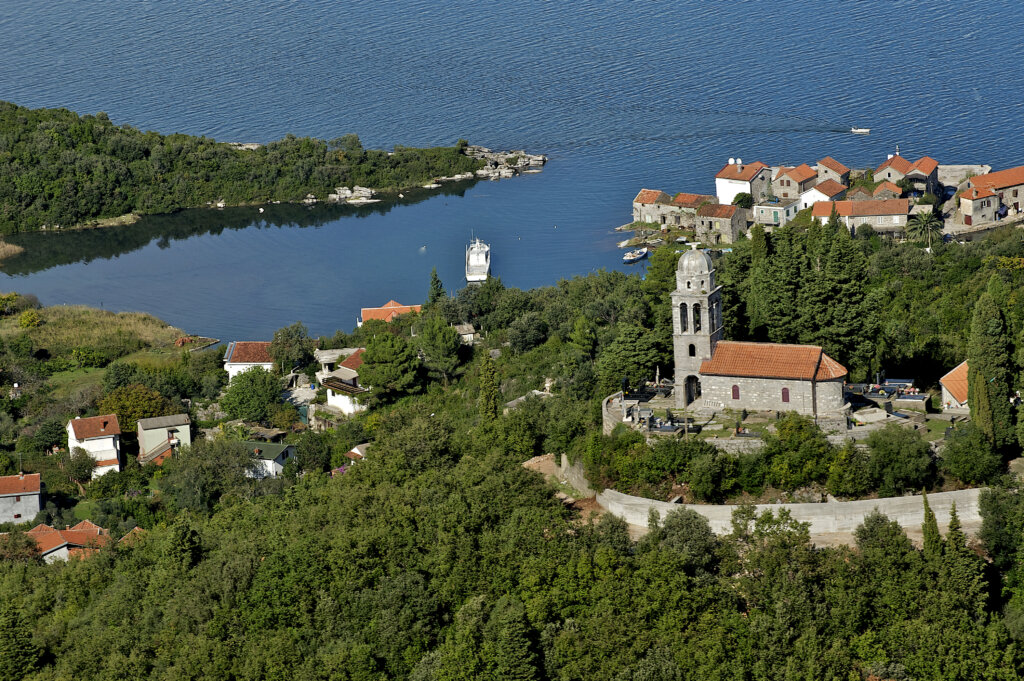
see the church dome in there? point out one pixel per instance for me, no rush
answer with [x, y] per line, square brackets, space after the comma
[694, 263]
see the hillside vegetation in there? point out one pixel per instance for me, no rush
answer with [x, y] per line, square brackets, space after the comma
[61, 169]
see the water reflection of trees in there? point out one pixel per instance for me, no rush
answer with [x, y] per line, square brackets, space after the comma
[44, 250]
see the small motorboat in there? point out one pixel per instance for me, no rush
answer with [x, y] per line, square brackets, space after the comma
[634, 256]
[860, 131]
[681, 239]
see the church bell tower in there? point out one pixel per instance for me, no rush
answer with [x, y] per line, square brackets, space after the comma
[696, 322]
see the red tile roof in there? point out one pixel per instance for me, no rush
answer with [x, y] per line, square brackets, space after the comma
[354, 361]
[801, 173]
[19, 484]
[833, 165]
[854, 209]
[887, 186]
[1001, 179]
[388, 311]
[830, 188]
[772, 360]
[897, 163]
[956, 382]
[684, 200]
[83, 535]
[651, 196]
[97, 426]
[859, 189]
[716, 210]
[926, 165]
[746, 172]
[249, 352]
[975, 193]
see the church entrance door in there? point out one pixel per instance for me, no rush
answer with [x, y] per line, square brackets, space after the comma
[692, 389]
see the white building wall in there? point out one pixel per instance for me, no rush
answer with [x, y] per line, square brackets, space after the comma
[19, 508]
[346, 403]
[726, 190]
[235, 368]
[59, 554]
[950, 402]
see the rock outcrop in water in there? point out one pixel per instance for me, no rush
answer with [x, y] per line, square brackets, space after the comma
[501, 164]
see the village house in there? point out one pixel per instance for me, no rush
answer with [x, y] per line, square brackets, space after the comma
[657, 207]
[80, 541]
[826, 190]
[720, 224]
[886, 190]
[727, 374]
[386, 312]
[100, 436]
[161, 435]
[831, 169]
[358, 453]
[775, 213]
[738, 178]
[888, 217]
[467, 333]
[271, 457]
[341, 379]
[859, 193]
[923, 173]
[997, 194]
[244, 355]
[21, 497]
[954, 389]
[790, 183]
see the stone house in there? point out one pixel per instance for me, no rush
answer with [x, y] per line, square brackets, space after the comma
[790, 183]
[161, 435]
[80, 541]
[737, 178]
[21, 497]
[859, 193]
[467, 333]
[886, 190]
[244, 355]
[826, 190]
[978, 206]
[720, 224]
[831, 169]
[922, 173]
[954, 388]
[888, 217]
[714, 373]
[776, 213]
[100, 436]
[1007, 186]
[657, 207]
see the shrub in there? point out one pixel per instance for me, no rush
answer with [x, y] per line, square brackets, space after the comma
[969, 457]
[899, 460]
[29, 319]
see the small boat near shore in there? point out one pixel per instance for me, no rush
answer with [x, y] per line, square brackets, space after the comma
[634, 256]
[478, 261]
[860, 131]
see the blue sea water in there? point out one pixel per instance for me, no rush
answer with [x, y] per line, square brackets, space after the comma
[619, 95]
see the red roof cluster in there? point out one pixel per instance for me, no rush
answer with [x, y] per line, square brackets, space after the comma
[96, 426]
[801, 173]
[833, 165]
[1001, 179]
[854, 209]
[388, 310]
[19, 484]
[772, 360]
[745, 172]
[925, 165]
[81, 540]
[248, 352]
[651, 196]
[956, 382]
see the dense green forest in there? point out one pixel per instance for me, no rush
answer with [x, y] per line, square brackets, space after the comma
[61, 169]
[440, 557]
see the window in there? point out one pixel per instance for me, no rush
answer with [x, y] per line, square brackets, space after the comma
[17, 499]
[17, 515]
[785, 394]
[735, 392]
[881, 220]
[687, 284]
[693, 350]
[1015, 192]
[895, 219]
[696, 317]
[683, 321]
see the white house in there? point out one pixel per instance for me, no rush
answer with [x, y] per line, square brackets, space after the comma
[244, 355]
[159, 436]
[341, 378]
[954, 388]
[101, 437]
[826, 190]
[20, 497]
[270, 457]
[737, 178]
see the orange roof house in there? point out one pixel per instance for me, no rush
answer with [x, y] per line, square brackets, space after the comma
[772, 360]
[716, 210]
[96, 426]
[79, 541]
[834, 165]
[888, 215]
[800, 173]
[647, 196]
[974, 194]
[354, 361]
[694, 201]
[921, 172]
[20, 497]
[244, 355]
[387, 312]
[999, 180]
[954, 387]
[889, 187]
[743, 172]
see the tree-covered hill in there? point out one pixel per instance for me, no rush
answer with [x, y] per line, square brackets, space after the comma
[59, 168]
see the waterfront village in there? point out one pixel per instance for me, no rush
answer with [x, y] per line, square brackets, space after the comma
[730, 393]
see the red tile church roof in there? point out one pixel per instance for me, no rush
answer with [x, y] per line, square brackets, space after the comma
[772, 360]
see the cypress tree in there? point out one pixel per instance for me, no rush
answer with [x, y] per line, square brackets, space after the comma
[932, 538]
[512, 654]
[436, 289]
[980, 404]
[758, 244]
[963, 571]
[988, 354]
[19, 655]
[488, 390]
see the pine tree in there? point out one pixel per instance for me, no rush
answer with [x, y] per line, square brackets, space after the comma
[932, 538]
[390, 368]
[489, 394]
[963, 571]
[988, 355]
[440, 346]
[436, 289]
[19, 655]
[512, 656]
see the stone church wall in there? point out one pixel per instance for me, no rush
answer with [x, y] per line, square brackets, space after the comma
[761, 394]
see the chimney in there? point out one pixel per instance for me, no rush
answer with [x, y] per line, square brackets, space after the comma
[889, 157]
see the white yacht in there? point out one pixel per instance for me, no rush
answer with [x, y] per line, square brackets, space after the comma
[478, 261]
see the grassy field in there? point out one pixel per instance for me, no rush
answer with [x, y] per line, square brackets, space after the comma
[64, 383]
[66, 327]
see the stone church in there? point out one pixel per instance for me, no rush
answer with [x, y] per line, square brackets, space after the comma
[715, 374]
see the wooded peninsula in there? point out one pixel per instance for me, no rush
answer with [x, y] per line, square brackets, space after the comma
[59, 169]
